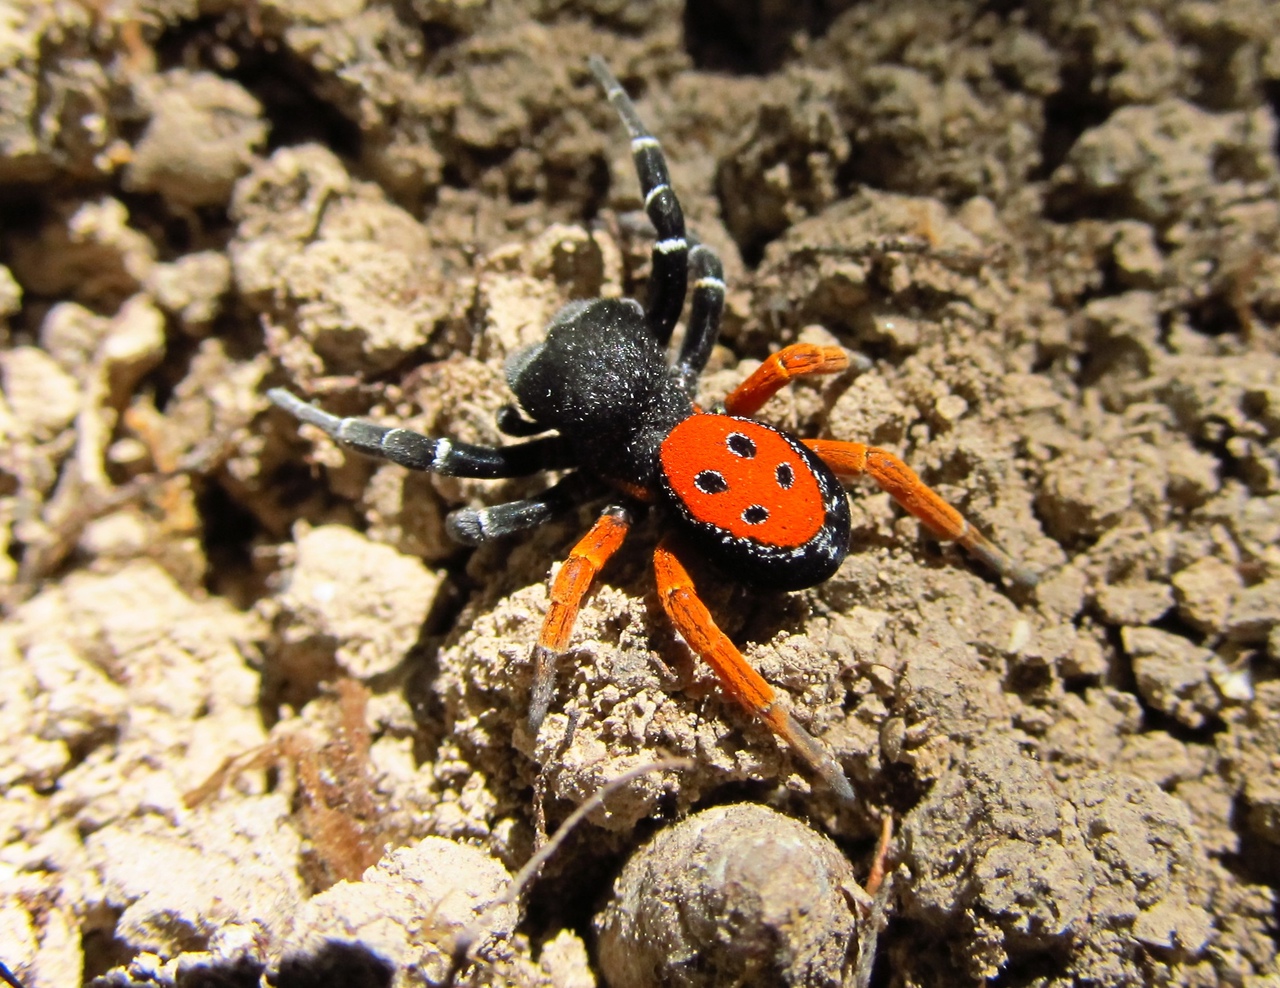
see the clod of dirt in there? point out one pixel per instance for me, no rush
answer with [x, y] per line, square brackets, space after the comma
[192, 288]
[41, 397]
[201, 137]
[564, 959]
[352, 602]
[1012, 870]
[228, 866]
[1255, 612]
[182, 664]
[345, 278]
[1204, 591]
[408, 910]
[1174, 674]
[55, 116]
[1155, 162]
[1022, 871]
[1148, 856]
[127, 705]
[787, 166]
[1250, 760]
[733, 895]
[86, 251]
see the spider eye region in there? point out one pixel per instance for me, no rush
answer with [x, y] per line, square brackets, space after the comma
[744, 478]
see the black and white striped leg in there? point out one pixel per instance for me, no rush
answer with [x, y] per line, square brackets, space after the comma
[669, 277]
[704, 316]
[472, 526]
[435, 455]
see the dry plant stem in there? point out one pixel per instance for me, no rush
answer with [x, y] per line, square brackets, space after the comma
[540, 783]
[877, 915]
[531, 867]
[875, 878]
[869, 937]
[526, 875]
[337, 809]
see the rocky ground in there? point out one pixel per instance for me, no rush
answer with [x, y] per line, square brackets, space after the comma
[260, 719]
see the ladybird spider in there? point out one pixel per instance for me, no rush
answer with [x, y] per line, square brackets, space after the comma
[764, 506]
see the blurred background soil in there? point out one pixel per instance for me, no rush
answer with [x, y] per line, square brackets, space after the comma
[241, 666]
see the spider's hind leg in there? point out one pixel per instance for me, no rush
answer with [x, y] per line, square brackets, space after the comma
[849, 459]
[738, 679]
[572, 582]
[796, 360]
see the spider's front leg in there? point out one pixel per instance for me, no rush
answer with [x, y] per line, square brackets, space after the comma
[696, 626]
[905, 486]
[429, 453]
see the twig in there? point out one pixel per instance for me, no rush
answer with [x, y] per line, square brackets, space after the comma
[540, 783]
[877, 915]
[526, 875]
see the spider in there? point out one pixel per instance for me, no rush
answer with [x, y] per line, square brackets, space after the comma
[598, 393]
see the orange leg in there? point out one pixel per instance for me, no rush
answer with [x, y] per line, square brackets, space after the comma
[770, 377]
[586, 559]
[902, 483]
[695, 624]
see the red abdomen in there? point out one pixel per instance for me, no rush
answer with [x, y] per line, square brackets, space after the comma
[755, 500]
